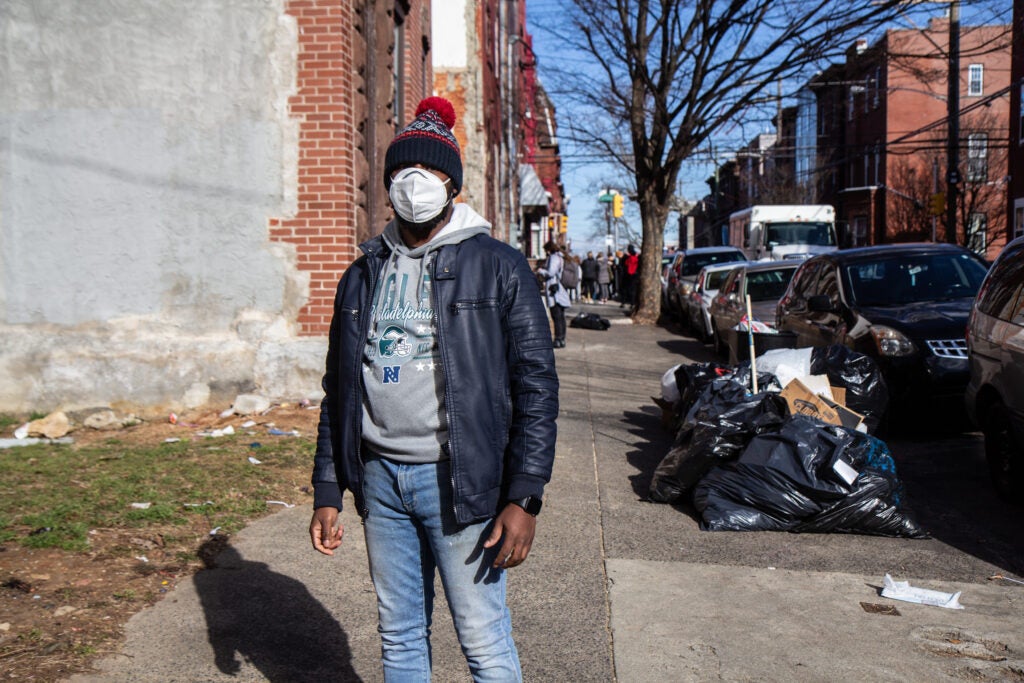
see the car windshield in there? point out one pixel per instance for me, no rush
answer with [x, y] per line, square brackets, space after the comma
[799, 233]
[768, 285]
[692, 263]
[909, 278]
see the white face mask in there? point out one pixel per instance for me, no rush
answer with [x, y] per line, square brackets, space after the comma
[418, 195]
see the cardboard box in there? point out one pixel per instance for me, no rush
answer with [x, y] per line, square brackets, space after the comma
[803, 401]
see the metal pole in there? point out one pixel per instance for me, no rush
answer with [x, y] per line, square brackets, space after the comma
[935, 190]
[953, 115]
[608, 223]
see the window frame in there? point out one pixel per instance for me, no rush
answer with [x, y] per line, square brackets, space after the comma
[975, 80]
[977, 157]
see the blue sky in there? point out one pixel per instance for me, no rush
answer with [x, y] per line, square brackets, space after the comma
[584, 174]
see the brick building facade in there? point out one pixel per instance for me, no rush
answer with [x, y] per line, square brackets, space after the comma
[362, 68]
[869, 137]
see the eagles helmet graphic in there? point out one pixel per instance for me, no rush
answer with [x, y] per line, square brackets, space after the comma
[394, 342]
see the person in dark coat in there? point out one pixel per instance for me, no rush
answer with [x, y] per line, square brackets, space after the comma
[439, 413]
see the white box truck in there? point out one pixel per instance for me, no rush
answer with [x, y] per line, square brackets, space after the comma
[775, 232]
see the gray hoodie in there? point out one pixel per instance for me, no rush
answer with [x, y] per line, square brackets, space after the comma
[404, 414]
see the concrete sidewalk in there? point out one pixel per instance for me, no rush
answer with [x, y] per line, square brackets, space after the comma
[615, 588]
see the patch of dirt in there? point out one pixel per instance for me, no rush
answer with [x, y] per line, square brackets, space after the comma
[60, 611]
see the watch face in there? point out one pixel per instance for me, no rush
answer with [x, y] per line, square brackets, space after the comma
[532, 505]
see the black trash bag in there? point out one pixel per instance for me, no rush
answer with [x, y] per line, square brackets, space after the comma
[876, 505]
[590, 321]
[866, 392]
[716, 429]
[787, 481]
[692, 379]
[766, 381]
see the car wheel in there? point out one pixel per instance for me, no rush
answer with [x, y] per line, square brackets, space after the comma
[1003, 452]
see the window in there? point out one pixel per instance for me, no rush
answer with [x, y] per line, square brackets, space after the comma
[849, 105]
[878, 87]
[1001, 297]
[975, 80]
[1020, 132]
[977, 157]
[977, 233]
[829, 283]
[805, 279]
[860, 231]
[877, 160]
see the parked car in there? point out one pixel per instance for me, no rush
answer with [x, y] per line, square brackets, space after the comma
[764, 282]
[995, 348]
[697, 306]
[666, 266]
[904, 305]
[684, 271]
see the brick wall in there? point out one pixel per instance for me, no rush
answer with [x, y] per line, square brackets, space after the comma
[323, 227]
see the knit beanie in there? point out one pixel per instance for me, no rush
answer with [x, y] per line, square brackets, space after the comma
[428, 140]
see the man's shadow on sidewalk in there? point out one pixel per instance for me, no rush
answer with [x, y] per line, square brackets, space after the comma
[268, 619]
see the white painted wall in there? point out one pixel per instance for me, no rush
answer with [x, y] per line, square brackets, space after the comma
[143, 147]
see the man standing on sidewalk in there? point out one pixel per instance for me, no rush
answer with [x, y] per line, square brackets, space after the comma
[440, 408]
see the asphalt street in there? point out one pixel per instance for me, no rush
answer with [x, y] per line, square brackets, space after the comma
[620, 589]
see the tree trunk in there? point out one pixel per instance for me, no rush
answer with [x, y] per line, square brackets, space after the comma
[648, 282]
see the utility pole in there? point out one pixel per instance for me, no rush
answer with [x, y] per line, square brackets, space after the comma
[953, 122]
[610, 245]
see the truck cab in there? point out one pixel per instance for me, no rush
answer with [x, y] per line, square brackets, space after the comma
[777, 232]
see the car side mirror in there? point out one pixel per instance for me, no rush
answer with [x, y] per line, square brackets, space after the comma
[820, 303]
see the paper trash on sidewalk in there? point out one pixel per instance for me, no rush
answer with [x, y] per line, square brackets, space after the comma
[902, 590]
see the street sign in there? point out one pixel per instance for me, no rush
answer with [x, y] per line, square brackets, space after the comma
[606, 197]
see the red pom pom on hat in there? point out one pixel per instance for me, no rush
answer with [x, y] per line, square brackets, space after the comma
[440, 106]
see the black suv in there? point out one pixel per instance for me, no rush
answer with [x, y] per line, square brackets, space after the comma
[995, 394]
[905, 305]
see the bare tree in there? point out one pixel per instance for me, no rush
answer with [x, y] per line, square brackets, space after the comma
[662, 77]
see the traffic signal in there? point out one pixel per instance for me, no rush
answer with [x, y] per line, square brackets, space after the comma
[551, 222]
[617, 206]
[564, 226]
[937, 204]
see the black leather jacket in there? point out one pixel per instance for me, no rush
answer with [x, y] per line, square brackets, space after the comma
[499, 367]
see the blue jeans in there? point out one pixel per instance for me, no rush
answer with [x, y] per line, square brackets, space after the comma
[411, 531]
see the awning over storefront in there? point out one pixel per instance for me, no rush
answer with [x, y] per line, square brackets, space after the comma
[532, 192]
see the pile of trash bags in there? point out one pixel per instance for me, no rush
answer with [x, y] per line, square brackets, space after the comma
[749, 463]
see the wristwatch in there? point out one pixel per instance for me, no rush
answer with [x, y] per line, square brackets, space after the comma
[531, 504]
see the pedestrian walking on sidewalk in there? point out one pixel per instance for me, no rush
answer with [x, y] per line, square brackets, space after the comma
[630, 266]
[588, 274]
[439, 414]
[557, 295]
[604, 279]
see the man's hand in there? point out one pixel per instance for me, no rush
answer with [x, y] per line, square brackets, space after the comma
[517, 527]
[325, 531]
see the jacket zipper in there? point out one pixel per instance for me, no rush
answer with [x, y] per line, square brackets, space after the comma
[358, 384]
[434, 296]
